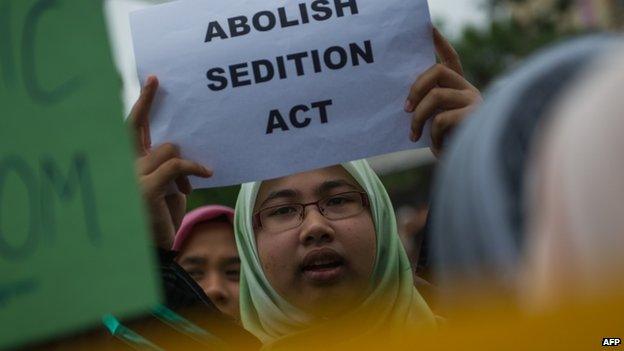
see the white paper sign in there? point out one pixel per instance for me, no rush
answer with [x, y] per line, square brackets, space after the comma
[258, 89]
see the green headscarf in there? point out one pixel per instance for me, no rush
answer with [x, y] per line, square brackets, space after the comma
[393, 297]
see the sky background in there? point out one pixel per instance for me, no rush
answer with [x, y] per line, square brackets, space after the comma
[455, 14]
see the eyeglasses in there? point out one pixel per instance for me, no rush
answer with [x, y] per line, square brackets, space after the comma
[289, 216]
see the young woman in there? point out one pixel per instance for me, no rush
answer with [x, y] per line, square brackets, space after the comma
[207, 252]
[323, 246]
[318, 249]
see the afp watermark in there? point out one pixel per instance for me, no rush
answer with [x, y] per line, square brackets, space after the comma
[611, 341]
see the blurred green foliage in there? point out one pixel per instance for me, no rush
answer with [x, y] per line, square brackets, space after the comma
[217, 196]
[410, 187]
[489, 51]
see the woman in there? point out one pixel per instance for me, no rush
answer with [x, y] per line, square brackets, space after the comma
[207, 252]
[341, 266]
[323, 245]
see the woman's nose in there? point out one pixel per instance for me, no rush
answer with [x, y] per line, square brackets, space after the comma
[315, 228]
[214, 287]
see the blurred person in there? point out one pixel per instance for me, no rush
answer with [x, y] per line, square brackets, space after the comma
[575, 237]
[478, 214]
[411, 222]
[412, 229]
[207, 251]
[319, 248]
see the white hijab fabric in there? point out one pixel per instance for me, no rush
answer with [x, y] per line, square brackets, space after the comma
[576, 208]
[478, 210]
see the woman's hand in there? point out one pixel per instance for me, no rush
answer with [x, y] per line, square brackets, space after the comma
[158, 169]
[443, 93]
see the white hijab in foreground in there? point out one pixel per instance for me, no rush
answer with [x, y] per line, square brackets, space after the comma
[575, 243]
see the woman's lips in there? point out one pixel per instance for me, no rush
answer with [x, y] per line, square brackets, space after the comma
[323, 266]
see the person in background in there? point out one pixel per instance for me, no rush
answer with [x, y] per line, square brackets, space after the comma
[411, 222]
[207, 252]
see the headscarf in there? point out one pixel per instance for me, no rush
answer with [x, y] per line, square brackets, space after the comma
[478, 204]
[576, 216]
[393, 297]
[197, 216]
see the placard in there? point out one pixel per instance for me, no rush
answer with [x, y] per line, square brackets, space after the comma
[256, 90]
[73, 240]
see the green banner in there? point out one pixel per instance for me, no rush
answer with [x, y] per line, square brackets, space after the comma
[73, 240]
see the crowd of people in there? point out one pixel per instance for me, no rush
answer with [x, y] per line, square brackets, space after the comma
[525, 205]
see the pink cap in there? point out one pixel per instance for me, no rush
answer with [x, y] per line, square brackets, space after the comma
[200, 215]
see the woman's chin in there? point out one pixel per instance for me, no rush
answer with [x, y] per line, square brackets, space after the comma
[325, 302]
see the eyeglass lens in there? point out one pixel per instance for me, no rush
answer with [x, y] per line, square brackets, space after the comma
[288, 216]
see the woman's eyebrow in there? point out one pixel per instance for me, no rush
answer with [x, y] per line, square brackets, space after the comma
[284, 193]
[193, 260]
[231, 261]
[336, 183]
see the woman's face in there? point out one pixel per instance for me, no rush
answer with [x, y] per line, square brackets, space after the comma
[210, 257]
[322, 266]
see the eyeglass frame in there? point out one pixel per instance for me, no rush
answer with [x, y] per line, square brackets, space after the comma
[257, 223]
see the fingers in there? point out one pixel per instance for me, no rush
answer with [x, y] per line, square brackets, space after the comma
[156, 183]
[178, 167]
[436, 100]
[184, 185]
[163, 165]
[446, 52]
[443, 125]
[436, 76]
[139, 115]
[176, 203]
[150, 162]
